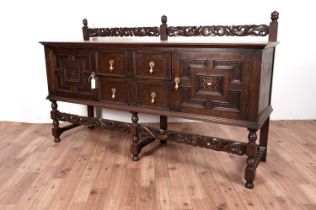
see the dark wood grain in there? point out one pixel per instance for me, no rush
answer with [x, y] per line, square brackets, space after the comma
[163, 28]
[251, 151]
[135, 148]
[90, 113]
[144, 135]
[219, 30]
[228, 83]
[163, 126]
[161, 62]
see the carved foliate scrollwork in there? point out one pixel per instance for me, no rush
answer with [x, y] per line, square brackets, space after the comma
[219, 30]
[150, 133]
[136, 31]
[212, 84]
[94, 122]
[235, 147]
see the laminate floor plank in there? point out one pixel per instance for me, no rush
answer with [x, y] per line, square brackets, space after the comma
[92, 169]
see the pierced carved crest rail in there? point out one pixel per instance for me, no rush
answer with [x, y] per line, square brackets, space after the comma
[164, 31]
[137, 31]
[238, 30]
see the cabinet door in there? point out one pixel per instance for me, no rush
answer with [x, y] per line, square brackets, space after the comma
[72, 70]
[211, 83]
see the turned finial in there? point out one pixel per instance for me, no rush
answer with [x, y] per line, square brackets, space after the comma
[164, 19]
[274, 16]
[85, 22]
[85, 30]
[163, 28]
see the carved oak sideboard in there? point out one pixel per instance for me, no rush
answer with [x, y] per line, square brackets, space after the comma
[227, 83]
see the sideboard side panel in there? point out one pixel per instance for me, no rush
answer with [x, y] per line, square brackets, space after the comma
[266, 79]
[253, 92]
[49, 69]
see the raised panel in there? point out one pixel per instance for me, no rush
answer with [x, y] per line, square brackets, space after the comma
[72, 70]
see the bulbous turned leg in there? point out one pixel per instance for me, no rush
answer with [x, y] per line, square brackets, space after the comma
[251, 150]
[134, 131]
[55, 130]
[163, 127]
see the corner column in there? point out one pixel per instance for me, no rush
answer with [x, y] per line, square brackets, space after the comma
[55, 130]
[251, 151]
[135, 149]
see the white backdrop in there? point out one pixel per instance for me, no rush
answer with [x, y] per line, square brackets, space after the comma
[25, 23]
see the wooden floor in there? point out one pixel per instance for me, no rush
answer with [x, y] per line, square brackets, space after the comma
[92, 169]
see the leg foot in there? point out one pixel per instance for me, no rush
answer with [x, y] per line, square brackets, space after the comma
[57, 140]
[55, 130]
[249, 184]
[135, 158]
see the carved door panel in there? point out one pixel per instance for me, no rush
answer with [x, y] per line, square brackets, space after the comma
[211, 83]
[72, 71]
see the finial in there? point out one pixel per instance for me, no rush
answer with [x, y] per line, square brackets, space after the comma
[85, 22]
[164, 19]
[274, 16]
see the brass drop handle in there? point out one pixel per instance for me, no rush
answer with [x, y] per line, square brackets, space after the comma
[177, 81]
[151, 65]
[113, 93]
[153, 96]
[111, 62]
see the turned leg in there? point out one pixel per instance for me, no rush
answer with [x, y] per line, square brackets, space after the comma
[264, 132]
[55, 130]
[163, 127]
[251, 151]
[135, 149]
[90, 113]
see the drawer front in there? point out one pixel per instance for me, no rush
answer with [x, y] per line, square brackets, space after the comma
[152, 65]
[212, 83]
[114, 90]
[71, 72]
[153, 94]
[112, 63]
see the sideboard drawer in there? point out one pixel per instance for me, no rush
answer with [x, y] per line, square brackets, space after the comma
[114, 90]
[153, 94]
[112, 62]
[152, 64]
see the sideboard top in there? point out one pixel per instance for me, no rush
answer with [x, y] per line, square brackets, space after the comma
[158, 43]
